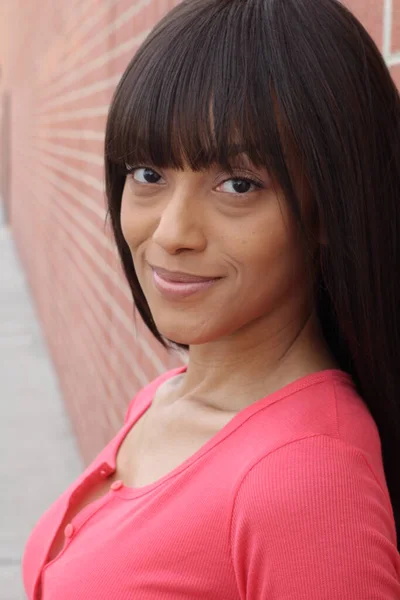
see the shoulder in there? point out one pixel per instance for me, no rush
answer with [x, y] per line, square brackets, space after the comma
[314, 509]
[148, 391]
[315, 468]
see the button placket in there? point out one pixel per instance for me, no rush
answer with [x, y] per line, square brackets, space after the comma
[69, 530]
[117, 485]
[105, 470]
[90, 509]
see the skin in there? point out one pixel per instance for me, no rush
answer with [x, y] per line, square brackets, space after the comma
[255, 330]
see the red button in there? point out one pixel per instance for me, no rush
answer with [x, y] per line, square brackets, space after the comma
[103, 473]
[117, 485]
[69, 530]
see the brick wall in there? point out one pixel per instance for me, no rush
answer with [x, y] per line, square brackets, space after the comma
[60, 61]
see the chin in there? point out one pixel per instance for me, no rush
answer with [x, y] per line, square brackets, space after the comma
[184, 338]
[187, 335]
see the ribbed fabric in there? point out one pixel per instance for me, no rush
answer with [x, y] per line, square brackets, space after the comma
[287, 502]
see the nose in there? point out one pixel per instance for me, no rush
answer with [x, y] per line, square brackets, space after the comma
[180, 225]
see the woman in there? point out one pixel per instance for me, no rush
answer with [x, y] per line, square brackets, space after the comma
[253, 175]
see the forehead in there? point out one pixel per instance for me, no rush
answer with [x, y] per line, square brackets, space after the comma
[238, 157]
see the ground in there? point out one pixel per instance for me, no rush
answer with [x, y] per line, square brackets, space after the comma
[39, 456]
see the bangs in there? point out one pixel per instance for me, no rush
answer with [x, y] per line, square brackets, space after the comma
[198, 92]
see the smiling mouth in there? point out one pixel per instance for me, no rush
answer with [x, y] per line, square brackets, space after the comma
[175, 285]
[180, 277]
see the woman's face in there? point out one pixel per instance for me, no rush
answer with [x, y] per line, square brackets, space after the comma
[237, 233]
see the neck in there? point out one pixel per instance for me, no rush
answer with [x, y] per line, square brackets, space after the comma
[235, 371]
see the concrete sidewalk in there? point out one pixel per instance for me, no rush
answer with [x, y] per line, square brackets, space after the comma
[39, 457]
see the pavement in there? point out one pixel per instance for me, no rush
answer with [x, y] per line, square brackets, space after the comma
[39, 455]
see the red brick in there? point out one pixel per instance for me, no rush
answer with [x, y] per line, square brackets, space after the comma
[395, 45]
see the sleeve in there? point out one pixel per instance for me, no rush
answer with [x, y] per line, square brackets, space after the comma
[310, 521]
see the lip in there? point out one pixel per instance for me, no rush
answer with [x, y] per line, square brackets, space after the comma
[176, 285]
[180, 277]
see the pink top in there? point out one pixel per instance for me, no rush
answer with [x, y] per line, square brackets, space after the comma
[287, 502]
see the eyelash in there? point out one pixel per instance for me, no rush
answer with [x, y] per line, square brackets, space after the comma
[128, 172]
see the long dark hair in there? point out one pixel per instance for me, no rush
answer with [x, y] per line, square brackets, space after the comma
[212, 76]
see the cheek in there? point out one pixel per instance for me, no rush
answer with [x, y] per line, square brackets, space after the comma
[266, 246]
[270, 261]
[133, 224]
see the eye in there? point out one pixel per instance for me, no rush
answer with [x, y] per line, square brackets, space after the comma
[143, 174]
[240, 185]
